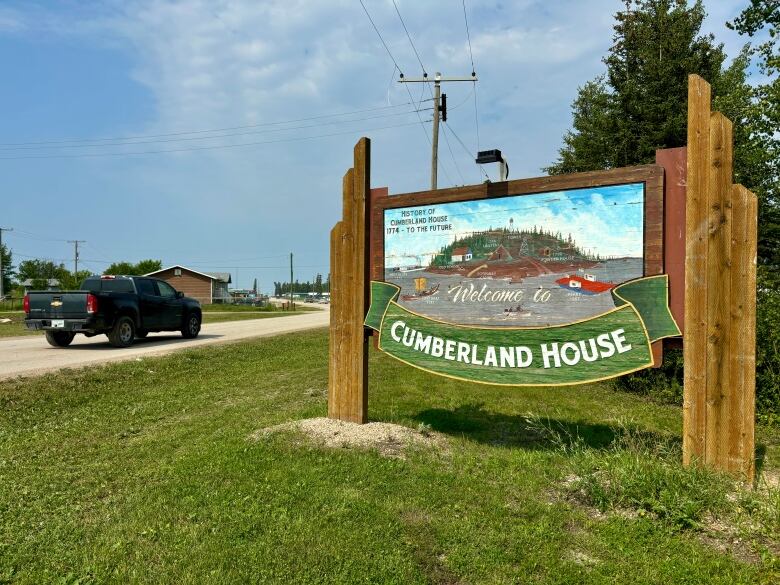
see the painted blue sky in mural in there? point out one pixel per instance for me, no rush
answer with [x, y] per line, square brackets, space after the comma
[603, 220]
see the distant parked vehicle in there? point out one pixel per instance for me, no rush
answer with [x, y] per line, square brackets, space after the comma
[122, 307]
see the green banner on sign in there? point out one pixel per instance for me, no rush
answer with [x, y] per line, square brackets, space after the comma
[611, 344]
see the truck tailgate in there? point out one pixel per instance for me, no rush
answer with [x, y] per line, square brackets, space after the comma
[58, 305]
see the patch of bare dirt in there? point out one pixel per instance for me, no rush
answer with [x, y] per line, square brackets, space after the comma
[769, 480]
[388, 439]
[741, 541]
[724, 538]
[580, 558]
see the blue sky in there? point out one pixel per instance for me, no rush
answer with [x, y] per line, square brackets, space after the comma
[607, 221]
[145, 68]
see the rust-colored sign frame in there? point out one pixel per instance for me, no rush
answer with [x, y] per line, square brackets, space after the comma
[652, 176]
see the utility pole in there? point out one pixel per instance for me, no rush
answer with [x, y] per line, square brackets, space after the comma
[2, 229]
[435, 139]
[76, 255]
[291, 281]
[439, 111]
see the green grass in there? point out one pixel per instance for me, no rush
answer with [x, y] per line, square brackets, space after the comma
[16, 327]
[271, 308]
[142, 472]
[243, 316]
[224, 308]
[12, 304]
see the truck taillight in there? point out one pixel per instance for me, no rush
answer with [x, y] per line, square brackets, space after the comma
[27, 304]
[92, 304]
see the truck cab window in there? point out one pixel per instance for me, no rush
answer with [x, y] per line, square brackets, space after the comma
[145, 287]
[119, 286]
[166, 290]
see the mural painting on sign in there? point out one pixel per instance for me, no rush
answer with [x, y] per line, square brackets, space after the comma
[524, 260]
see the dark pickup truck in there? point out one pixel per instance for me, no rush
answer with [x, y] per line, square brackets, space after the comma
[122, 307]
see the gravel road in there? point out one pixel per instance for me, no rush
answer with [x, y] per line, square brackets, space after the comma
[31, 355]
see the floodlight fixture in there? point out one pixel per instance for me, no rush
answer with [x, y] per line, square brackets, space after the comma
[494, 156]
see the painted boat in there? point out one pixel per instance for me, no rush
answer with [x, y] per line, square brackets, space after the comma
[421, 294]
[586, 284]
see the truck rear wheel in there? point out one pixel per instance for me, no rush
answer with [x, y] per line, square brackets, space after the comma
[123, 333]
[59, 338]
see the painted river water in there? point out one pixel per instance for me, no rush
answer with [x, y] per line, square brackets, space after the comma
[537, 301]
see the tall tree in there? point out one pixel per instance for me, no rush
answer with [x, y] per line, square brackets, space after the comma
[639, 104]
[147, 266]
[39, 272]
[763, 121]
[762, 174]
[128, 268]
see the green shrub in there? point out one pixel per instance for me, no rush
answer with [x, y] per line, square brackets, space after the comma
[768, 345]
[678, 496]
[665, 384]
[641, 472]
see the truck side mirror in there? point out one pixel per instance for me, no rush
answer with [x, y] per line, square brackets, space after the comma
[179, 294]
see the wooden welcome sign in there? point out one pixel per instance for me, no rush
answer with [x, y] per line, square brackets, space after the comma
[558, 281]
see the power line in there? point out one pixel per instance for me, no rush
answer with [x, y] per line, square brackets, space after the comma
[466, 148]
[220, 265]
[213, 147]
[211, 262]
[468, 36]
[452, 156]
[408, 36]
[473, 73]
[39, 257]
[436, 104]
[191, 138]
[227, 129]
[400, 71]
[465, 99]
[389, 54]
[32, 236]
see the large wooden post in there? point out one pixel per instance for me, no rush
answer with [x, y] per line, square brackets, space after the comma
[720, 297]
[349, 265]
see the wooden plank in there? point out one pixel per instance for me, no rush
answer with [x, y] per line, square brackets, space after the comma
[718, 289]
[674, 162]
[346, 314]
[695, 340]
[741, 342]
[653, 241]
[376, 233]
[749, 349]
[336, 306]
[361, 201]
[350, 245]
[341, 272]
[376, 258]
[637, 174]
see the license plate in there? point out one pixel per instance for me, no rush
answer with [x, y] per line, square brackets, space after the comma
[58, 322]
